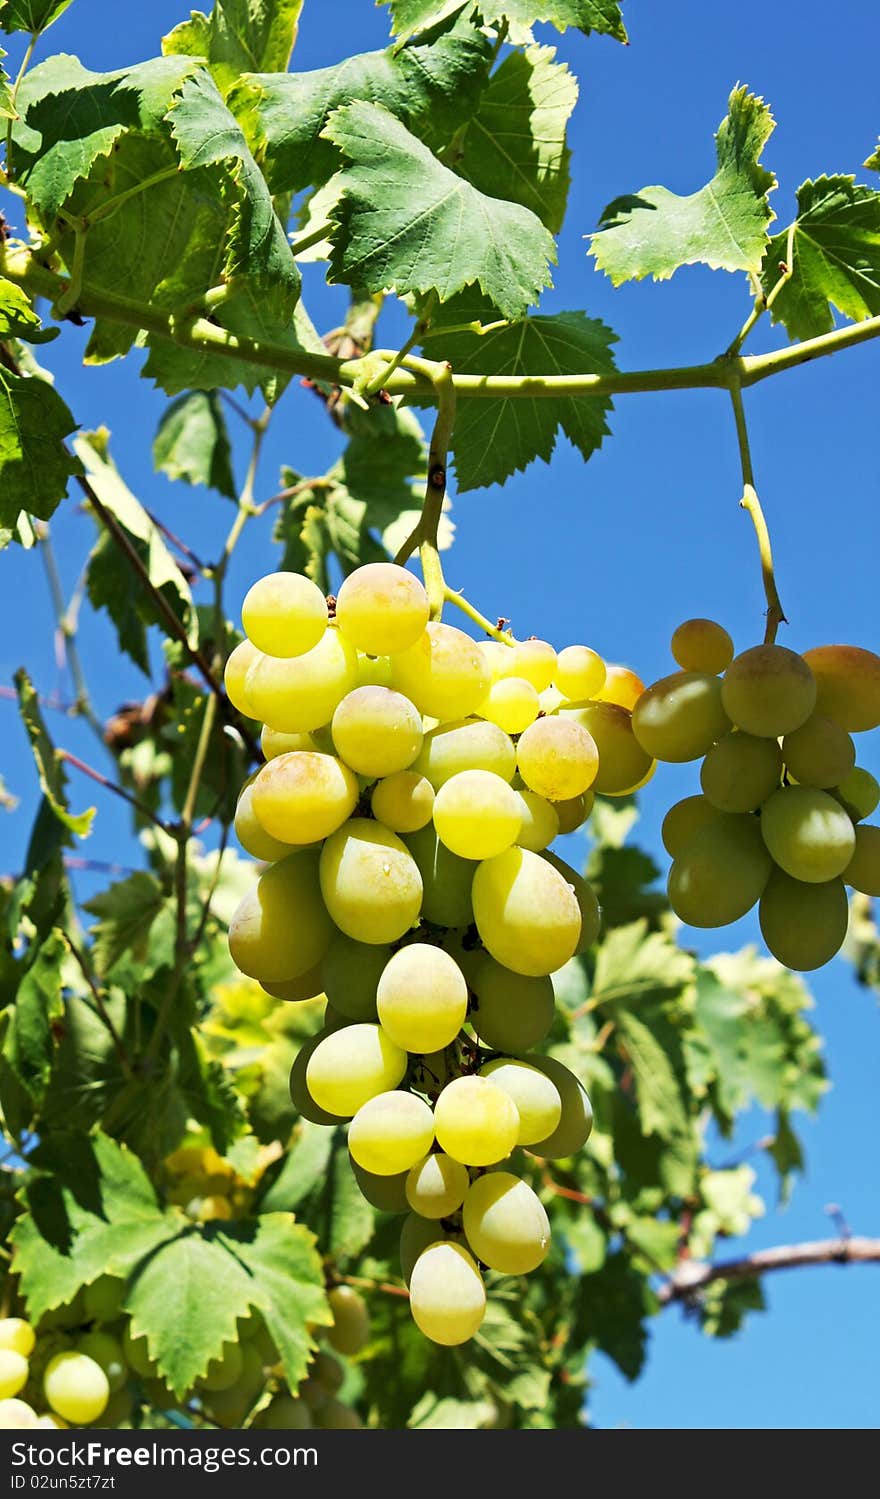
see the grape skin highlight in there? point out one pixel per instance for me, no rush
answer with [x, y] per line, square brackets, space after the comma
[527, 915]
[422, 998]
[370, 882]
[477, 814]
[350, 1066]
[808, 833]
[505, 1224]
[390, 1133]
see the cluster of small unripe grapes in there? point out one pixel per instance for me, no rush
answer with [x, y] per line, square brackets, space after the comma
[414, 780]
[205, 1186]
[779, 820]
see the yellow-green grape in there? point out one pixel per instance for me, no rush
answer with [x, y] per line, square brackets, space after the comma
[273, 743]
[768, 691]
[446, 1294]
[303, 797]
[585, 895]
[284, 1413]
[250, 832]
[863, 870]
[721, 873]
[422, 998]
[576, 1122]
[550, 699]
[859, 792]
[580, 673]
[76, 1387]
[13, 1372]
[803, 925]
[381, 608]
[475, 1121]
[512, 703]
[819, 753]
[469, 744]
[351, 1321]
[377, 731]
[702, 645]
[55, 1423]
[680, 717]
[526, 914]
[300, 693]
[534, 661]
[539, 821]
[327, 1371]
[208, 1209]
[403, 802]
[683, 821]
[352, 1065]
[281, 928]
[351, 973]
[622, 686]
[445, 673]
[622, 761]
[505, 1224]
[300, 1096]
[446, 879]
[230, 1407]
[17, 1415]
[558, 758]
[390, 1132]
[305, 986]
[284, 614]
[574, 811]
[513, 1012]
[536, 1097]
[740, 772]
[808, 833]
[848, 685]
[225, 1370]
[498, 654]
[436, 1186]
[387, 1193]
[136, 1354]
[17, 1336]
[235, 672]
[335, 1415]
[476, 814]
[415, 1237]
[370, 882]
[106, 1351]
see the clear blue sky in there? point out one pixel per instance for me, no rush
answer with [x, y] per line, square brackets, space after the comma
[616, 554]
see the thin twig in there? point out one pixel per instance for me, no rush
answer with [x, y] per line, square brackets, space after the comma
[120, 791]
[690, 1277]
[118, 1045]
[750, 502]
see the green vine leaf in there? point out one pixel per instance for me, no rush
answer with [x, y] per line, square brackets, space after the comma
[30, 15]
[658, 1095]
[724, 225]
[612, 1311]
[7, 103]
[53, 781]
[18, 318]
[317, 1181]
[873, 161]
[126, 912]
[287, 1281]
[836, 258]
[28, 1045]
[408, 222]
[410, 16]
[192, 443]
[239, 36]
[36, 466]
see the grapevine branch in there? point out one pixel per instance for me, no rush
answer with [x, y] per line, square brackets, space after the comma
[690, 1278]
[120, 791]
[424, 534]
[751, 503]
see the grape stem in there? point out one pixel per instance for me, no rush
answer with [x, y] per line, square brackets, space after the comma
[425, 533]
[452, 596]
[775, 615]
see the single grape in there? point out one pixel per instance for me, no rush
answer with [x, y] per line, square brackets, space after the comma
[274, 743]
[17, 1336]
[580, 673]
[512, 703]
[536, 1097]
[235, 672]
[527, 915]
[539, 821]
[387, 1193]
[683, 821]
[550, 699]
[351, 972]
[370, 882]
[513, 1012]
[284, 1413]
[622, 686]
[740, 772]
[436, 1186]
[702, 645]
[303, 797]
[306, 986]
[297, 694]
[476, 814]
[351, 1321]
[403, 801]
[574, 811]
[803, 924]
[622, 761]
[381, 608]
[863, 870]
[819, 753]
[576, 1122]
[467, 744]
[808, 833]
[17, 1415]
[721, 873]
[848, 685]
[281, 928]
[225, 1370]
[585, 895]
[446, 1294]
[284, 614]
[13, 1372]
[475, 1121]
[505, 1224]
[680, 717]
[859, 792]
[250, 832]
[352, 1065]
[768, 691]
[377, 731]
[231, 1407]
[444, 673]
[422, 998]
[326, 1370]
[415, 1237]
[106, 1351]
[446, 879]
[390, 1132]
[532, 660]
[335, 1415]
[558, 758]
[300, 1095]
[76, 1387]
[136, 1354]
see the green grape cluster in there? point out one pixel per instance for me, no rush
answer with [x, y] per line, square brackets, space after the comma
[413, 782]
[52, 1382]
[778, 821]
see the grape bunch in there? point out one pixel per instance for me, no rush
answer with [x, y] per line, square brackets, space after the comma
[73, 1382]
[414, 780]
[779, 818]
